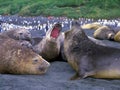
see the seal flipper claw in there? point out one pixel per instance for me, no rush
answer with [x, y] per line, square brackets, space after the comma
[79, 75]
[75, 77]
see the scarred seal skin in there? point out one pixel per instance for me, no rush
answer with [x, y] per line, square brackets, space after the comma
[16, 59]
[18, 34]
[88, 58]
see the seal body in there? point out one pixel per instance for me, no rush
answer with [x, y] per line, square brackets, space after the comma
[88, 58]
[117, 37]
[18, 34]
[49, 46]
[16, 59]
[104, 32]
[92, 26]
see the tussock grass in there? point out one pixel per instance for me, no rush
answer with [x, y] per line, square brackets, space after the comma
[70, 8]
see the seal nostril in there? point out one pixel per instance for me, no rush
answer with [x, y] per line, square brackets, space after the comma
[20, 33]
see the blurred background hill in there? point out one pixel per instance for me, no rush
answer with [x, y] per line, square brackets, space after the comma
[71, 8]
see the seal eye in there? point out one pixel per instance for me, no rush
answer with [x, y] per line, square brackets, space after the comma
[20, 33]
[35, 61]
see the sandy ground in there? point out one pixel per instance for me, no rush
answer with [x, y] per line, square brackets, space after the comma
[57, 78]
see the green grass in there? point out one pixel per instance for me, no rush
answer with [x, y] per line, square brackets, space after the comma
[70, 8]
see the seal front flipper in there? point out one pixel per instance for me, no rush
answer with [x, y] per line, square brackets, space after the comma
[85, 65]
[85, 68]
[77, 76]
[87, 74]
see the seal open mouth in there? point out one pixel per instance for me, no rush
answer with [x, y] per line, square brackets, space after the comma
[56, 31]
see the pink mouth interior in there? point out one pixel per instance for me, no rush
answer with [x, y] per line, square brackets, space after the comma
[55, 32]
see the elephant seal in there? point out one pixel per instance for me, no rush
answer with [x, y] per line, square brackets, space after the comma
[49, 46]
[88, 58]
[21, 34]
[15, 59]
[117, 37]
[18, 34]
[104, 32]
[92, 26]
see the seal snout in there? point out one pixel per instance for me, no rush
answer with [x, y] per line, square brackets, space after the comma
[111, 36]
[44, 65]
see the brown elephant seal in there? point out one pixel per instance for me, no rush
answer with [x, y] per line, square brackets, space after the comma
[104, 32]
[49, 47]
[15, 59]
[117, 37]
[88, 58]
[92, 26]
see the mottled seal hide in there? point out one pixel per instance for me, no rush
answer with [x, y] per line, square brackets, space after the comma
[104, 32]
[49, 47]
[16, 59]
[18, 34]
[88, 58]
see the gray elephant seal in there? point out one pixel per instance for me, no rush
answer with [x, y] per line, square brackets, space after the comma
[89, 59]
[18, 34]
[16, 59]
